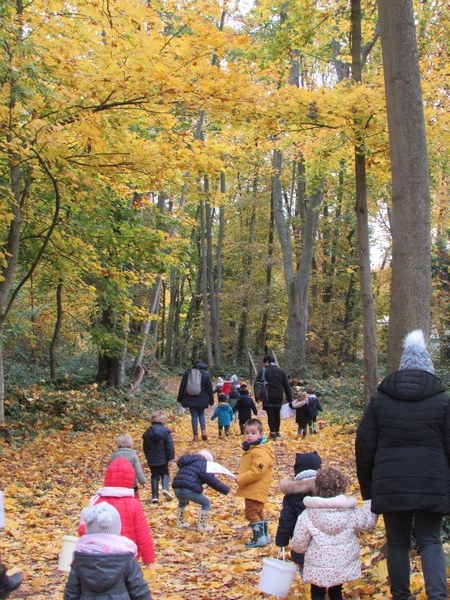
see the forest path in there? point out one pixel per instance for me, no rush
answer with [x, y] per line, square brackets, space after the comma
[51, 478]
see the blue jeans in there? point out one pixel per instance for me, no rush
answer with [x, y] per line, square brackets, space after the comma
[197, 416]
[185, 496]
[427, 530]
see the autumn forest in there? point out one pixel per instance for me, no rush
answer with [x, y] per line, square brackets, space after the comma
[214, 179]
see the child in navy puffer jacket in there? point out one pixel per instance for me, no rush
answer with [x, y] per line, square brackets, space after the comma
[159, 450]
[188, 486]
[245, 406]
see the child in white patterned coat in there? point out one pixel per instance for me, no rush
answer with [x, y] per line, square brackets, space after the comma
[326, 532]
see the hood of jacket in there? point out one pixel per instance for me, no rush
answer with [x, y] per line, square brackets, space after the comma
[301, 486]
[156, 432]
[188, 459]
[200, 365]
[100, 572]
[264, 446]
[120, 473]
[411, 385]
[329, 515]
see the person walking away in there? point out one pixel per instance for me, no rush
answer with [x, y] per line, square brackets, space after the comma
[118, 491]
[277, 387]
[403, 465]
[125, 449]
[314, 408]
[159, 451]
[198, 402]
[244, 406]
[254, 479]
[305, 470]
[224, 415]
[302, 413]
[326, 532]
[104, 563]
[188, 485]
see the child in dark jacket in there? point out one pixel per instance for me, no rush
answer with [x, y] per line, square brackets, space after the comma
[302, 413]
[305, 468]
[188, 486]
[224, 415]
[159, 451]
[245, 406]
[104, 563]
[314, 408]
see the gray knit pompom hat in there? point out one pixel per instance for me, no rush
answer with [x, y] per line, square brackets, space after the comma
[415, 354]
[101, 518]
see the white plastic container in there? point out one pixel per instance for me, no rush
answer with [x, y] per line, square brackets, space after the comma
[276, 577]
[66, 556]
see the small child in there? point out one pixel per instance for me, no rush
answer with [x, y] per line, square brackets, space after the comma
[188, 486]
[224, 415]
[245, 406]
[314, 408]
[305, 469]
[125, 450]
[254, 479]
[326, 532]
[219, 386]
[302, 413]
[104, 563]
[159, 450]
[234, 394]
[226, 386]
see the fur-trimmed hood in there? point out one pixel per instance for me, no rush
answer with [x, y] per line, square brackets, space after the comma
[297, 486]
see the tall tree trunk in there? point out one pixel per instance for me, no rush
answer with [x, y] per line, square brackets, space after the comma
[204, 287]
[265, 314]
[56, 333]
[411, 235]
[365, 280]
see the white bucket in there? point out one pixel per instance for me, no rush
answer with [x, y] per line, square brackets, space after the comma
[2, 511]
[66, 556]
[276, 577]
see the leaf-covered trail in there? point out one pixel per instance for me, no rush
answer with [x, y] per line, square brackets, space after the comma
[49, 480]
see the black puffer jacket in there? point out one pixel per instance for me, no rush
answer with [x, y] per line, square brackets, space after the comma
[192, 475]
[157, 444]
[206, 396]
[403, 445]
[277, 384]
[245, 405]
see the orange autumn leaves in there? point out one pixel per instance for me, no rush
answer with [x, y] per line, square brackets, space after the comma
[49, 480]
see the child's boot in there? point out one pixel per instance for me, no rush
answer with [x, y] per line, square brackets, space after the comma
[165, 488]
[8, 583]
[195, 438]
[204, 436]
[181, 523]
[266, 531]
[315, 427]
[259, 539]
[203, 521]
[155, 483]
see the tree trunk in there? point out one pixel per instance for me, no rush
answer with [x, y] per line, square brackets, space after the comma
[204, 287]
[365, 280]
[56, 332]
[411, 235]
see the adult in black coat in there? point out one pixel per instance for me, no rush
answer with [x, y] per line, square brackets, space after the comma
[197, 404]
[277, 387]
[403, 466]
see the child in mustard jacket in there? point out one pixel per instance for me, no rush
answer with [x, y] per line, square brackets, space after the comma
[254, 479]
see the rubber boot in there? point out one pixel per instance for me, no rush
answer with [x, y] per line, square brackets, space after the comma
[154, 486]
[8, 583]
[266, 531]
[195, 438]
[204, 436]
[259, 539]
[315, 427]
[165, 488]
[203, 516]
[181, 524]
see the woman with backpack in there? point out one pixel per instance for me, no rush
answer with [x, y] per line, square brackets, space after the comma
[196, 394]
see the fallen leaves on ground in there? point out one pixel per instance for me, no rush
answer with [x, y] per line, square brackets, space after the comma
[49, 480]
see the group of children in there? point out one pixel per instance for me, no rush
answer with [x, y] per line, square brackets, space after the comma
[314, 514]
